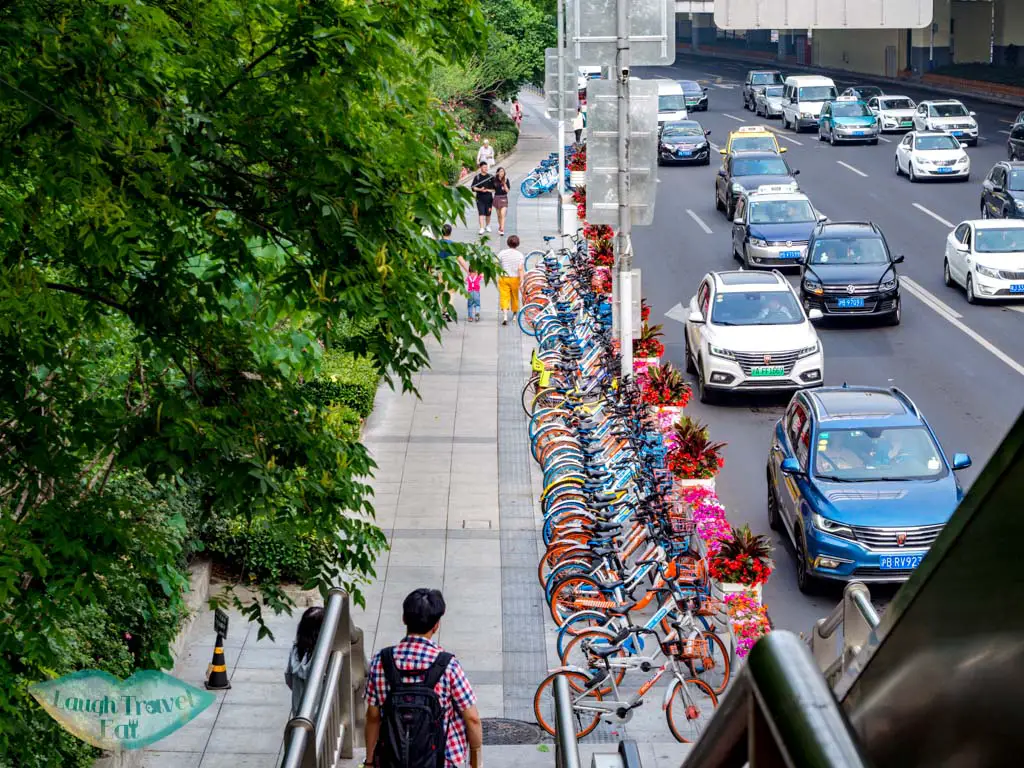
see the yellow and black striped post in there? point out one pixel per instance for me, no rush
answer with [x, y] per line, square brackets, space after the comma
[217, 679]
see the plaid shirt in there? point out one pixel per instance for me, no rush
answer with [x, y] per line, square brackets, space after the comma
[414, 654]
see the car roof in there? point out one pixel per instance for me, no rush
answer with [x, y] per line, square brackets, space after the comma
[681, 124]
[941, 101]
[756, 154]
[742, 279]
[756, 196]
[891, 97]
[840, 228]
[996, 223]
[668, 86]
[763, 71]
[1015, 165]
[750, 130]
[858, 403]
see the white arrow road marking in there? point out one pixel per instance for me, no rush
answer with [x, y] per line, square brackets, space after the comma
[933, 214]
[849, 167]
[700, 223]
[678, 313]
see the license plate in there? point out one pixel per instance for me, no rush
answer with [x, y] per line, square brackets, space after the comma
[945, 170]
[851, 303]
[958, 133]
[683, 153]
[1017, 288]
[789, 255]
[899, 562]
[767, 371]
[859, 133]
[907, 124]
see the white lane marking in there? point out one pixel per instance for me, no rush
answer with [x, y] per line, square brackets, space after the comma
[887, 141]
[933, 214]
[784, 137]
[714, 146]
[733, 117]
[851, 168]
[700, 222]
[945, 312]
[1016, 309]
[1006, 132]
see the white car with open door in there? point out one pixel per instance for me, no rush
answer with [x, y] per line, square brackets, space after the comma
[932, 155]
[986, 257]
[746, 331]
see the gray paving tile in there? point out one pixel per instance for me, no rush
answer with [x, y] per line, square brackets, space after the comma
[189, 738]
[237, 760]
[275, 694]
[264, 658]
[253, 740]
[268, 716]
[159, 759]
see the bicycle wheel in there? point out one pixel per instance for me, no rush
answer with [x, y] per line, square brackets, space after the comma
[715, 669]
[527, 315]
[565, 594]
[544, 703]
[691, 705]
[530, 187]
[580, 621]
[531, 259]
[580, 652]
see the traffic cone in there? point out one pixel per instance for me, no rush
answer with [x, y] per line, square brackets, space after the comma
[217, 678]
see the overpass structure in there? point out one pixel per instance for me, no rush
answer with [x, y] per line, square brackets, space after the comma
[962, 31]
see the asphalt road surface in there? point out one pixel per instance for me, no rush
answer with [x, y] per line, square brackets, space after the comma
[963, 365]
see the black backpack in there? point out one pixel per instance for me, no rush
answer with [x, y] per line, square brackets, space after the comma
[412, 730]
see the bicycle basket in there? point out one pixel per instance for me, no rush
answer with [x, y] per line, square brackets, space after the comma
[709, 606]
[680, 526]
[690, 571]
[692, 647]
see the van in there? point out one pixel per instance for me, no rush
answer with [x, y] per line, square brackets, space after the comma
[671, 102]
[802, 99]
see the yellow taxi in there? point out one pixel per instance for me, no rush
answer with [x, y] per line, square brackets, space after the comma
[752, 138]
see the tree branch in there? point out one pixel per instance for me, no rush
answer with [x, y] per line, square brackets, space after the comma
[87, 294]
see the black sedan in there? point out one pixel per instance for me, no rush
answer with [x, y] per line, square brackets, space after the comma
[1002, 192]
[745, 172]
[850, 272]
[863, 92]
[696, 96]
[684, 142]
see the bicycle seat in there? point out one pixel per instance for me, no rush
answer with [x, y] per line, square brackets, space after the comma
[621, 610]
[549, 238]
[608, 527]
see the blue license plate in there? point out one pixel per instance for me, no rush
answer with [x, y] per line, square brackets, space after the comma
[945, 170]
[900, 562]
[851, 303]
[1017, 288]
[789, 255]
[859, 133]
[958, 133]
[683, 153]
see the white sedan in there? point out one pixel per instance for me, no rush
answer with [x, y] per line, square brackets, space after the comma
[932, 155]
[895, 112]
[986, 257]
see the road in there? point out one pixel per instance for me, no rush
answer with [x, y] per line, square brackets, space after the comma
[963, 365]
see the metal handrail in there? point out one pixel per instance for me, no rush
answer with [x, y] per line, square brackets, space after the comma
[857, 616]
[779, 711]
[567, 749]
[328, 723]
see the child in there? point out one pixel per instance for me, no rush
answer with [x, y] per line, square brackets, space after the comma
[300, 661]
[473, 280]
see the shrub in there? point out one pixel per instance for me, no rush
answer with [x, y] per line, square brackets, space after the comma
[694, 455]
[345, 379]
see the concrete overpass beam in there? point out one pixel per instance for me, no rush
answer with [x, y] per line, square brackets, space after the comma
[867, 51]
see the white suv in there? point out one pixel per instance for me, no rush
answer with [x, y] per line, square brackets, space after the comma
[747, 331]
[947, 115]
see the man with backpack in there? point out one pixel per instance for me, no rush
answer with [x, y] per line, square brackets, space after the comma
[420, 708]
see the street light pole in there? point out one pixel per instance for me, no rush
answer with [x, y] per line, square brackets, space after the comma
[625, 252]
[560, 42]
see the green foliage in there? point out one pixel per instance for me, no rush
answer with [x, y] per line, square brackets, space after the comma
[345, 379]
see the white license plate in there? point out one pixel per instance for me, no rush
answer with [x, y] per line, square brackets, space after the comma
[900, 562]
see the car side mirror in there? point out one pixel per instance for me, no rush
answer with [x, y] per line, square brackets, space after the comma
[997, 187]
[974, 114]
[795, 173]
[815, 314]
[822, 217]
[721, 151]
[961, 461]
[782, 150]
[962, 247]
[899, 259]
[963, 145]
[696, 317]
[704, 89]
[790, 466]
[707, 133]
[738, 220]
[721, 172]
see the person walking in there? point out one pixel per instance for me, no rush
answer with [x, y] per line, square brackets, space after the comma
[445, 253]
[578, 123]
[501, 190]
[510, 282]
[486, 153]
[473, 282]
[300, 660]
[483, 185]
[517, 112]
[435, 719]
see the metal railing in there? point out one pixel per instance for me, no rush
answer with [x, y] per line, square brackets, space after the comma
[857, 618]
[567, 749]
[329, 723]
[778, 712]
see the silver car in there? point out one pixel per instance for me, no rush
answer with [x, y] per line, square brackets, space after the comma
[768, 101]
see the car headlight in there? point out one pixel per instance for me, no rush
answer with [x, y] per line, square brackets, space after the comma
[757, 242]
[831, 526]
[813, 286]
[719, 352]
[1020, 205]
[986, 271]
[889, 285]
[808, 351]
[807, 115]
[963, 160]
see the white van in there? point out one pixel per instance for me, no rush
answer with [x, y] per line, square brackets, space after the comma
[671, 102]
[802, 99]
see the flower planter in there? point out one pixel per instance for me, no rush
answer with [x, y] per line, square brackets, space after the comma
[577, 178]
[666, 415]
[641, 364]
[725, 588]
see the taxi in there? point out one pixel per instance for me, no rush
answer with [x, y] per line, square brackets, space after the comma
[848, 119]
[752, 138]
[772, 226]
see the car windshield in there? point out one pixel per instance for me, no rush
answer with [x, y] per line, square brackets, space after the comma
[947, 110]
[850, 109]
[867, 91]
[999, 240]
[774, 91]
[877, 453]
[931, 143]
[896, 104]
[682, 132]
[690, 87]
[1019, 118]
[1016, 181]
[756, 308]
[759, 166]
[765, 78]
[753, 144]
[671, 102]
[818, 93]
[852, 250]
[781, 212]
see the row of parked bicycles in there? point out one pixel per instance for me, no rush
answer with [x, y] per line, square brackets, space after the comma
[544, 178]
[623, 578]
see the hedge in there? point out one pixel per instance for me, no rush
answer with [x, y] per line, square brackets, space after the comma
[261, 554]
[496, 126]
[345, 379]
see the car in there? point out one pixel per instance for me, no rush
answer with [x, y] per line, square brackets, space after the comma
[752, 138]
[768, 101]
[772, 226]
[1015, 142]
[757, 79]
[895, 112]
[684, 141]
[948, 115]
[847, 119]
[863, 92]
[932, 155]
[696, 95]
[986, 257]
[1002, 192]
[1019, 119]
[750, 170]
[849, 271]
[671, 102]
[859, 484]
[746, 331]
[803, 98]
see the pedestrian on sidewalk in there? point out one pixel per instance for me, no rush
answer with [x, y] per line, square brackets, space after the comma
[436, 714]
[473, 281]
[300, 660]
[578, 123]
[486, 153]
[517, 112]
[483, 185]
[501, 190]
[445, 253]
[510, 282]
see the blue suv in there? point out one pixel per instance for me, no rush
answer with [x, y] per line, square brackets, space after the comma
[857, 480]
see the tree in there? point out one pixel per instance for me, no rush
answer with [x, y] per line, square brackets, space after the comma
[192, 191]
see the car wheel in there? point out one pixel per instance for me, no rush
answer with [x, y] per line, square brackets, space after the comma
[730, 210]
[832, 137]
[704, 394]
[896, 315]
[947, 276]
[969, 290]
[804, 581]
[1010, 152]
[774, 522]
[687, 356]
[984, 211]
[821, 136]
[745, 258]
[1007, 213]
[965, 179]
[972, 143]
[718, 202]
[910, 172]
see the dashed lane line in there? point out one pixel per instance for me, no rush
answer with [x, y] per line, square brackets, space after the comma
[1016, 309]
[700, 222]
[733, 117]
[784, 137]
[849, 167]
[887, 141]
[933, 214]
[1006, 132]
